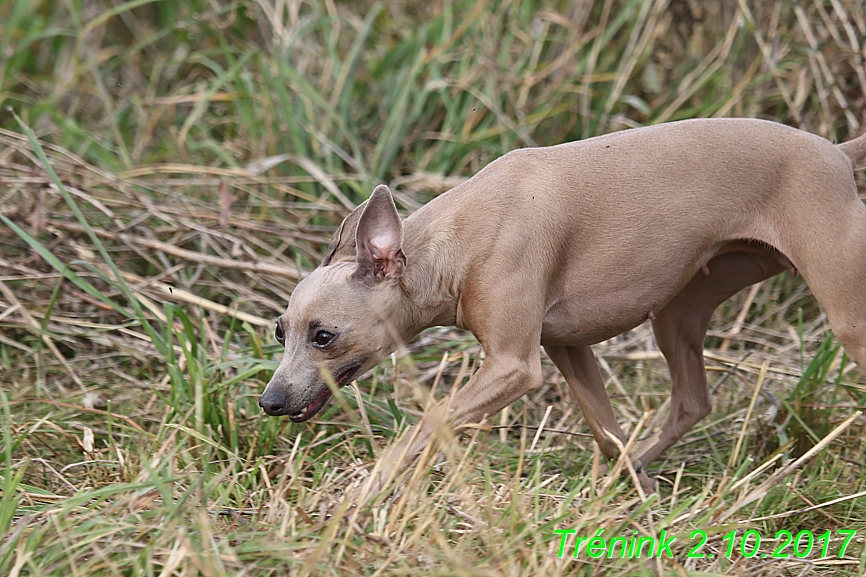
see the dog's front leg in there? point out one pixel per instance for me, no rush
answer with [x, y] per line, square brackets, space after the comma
[502, 379]
[579, 367]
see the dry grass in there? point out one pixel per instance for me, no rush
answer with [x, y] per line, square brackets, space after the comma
[203, 154]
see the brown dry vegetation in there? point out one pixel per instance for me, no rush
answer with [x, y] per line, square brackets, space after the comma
[194, 160]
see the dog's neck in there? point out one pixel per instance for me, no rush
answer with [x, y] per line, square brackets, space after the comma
[435, 269]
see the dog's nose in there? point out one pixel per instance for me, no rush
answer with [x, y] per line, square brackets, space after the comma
[273, 402]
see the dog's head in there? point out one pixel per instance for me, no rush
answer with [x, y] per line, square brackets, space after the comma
[343, 318]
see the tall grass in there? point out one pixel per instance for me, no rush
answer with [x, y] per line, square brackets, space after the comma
[169, 169]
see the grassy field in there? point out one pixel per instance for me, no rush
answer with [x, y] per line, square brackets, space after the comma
[168, 170]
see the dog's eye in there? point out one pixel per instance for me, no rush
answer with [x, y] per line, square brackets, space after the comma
[279, 335]
[323, 338]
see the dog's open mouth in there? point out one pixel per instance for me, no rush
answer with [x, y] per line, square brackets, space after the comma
[342, 379]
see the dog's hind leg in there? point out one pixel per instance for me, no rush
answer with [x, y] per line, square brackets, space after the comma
[681, 326]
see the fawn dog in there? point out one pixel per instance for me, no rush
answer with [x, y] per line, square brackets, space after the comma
[569, 245]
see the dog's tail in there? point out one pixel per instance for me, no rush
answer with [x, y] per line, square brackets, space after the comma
[855, 149]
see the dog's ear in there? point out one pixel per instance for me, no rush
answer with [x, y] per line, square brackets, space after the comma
[343, 244]
[379, 238]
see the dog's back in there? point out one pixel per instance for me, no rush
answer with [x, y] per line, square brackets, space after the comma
[639, 212]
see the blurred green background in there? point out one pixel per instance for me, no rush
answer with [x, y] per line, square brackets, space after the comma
[380, 90]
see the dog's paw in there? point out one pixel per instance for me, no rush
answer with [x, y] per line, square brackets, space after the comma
[364, 489]
[647, 484]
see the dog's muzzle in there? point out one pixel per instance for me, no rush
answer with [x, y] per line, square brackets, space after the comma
[274, 403]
